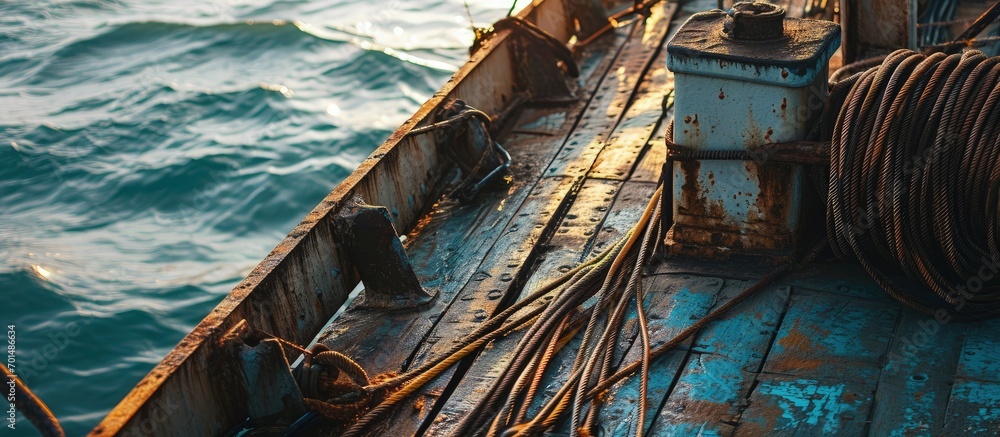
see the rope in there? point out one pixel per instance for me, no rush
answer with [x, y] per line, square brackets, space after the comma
[464, 125]
[33, 408]
[791, 152]
[915, 179]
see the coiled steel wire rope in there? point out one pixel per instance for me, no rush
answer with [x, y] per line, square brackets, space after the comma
[915, 178]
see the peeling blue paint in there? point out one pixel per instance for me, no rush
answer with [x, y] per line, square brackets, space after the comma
[826, 328]
[690, 304]
[916, 418]
[810, 404]
[980, 358]
[974, 408]
[711, 378]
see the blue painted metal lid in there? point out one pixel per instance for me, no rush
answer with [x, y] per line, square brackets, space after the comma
[702, 47]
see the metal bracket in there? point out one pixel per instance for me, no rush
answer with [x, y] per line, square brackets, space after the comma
[373, 247]
[274, 394]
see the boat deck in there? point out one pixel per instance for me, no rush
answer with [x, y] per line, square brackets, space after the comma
[822, 351]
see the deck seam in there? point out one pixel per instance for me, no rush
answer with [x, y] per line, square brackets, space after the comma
[763, 360]
[883, 361]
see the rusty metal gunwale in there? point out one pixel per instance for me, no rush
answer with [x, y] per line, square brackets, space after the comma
[146, 405]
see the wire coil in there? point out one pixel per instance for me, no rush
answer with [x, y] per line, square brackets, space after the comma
[915, 179]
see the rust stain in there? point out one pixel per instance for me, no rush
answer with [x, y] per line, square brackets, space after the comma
[752, 134]
[716, 209]
[774, 186]
[796, 339]
[722, 95]
[798, 364]
[767, 136]
[784, 73]
[687, 408]
[691, 190]
[687, 119]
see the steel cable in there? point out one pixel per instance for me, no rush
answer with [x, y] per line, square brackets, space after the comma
[914, 177]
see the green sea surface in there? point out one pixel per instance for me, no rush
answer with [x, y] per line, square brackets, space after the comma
[152, 152]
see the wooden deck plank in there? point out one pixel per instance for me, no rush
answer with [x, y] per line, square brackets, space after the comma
[980, 358]
[615, 95]
[579, 225]
[912, 391]
[642, 120]
[725, 359]
[840, 278]
[579, 228]
[973, 409]
[974, 403]
[383, 341]
[677, 300]
[622, 215]
[651, 162]
[783, 405]
[820, 375]
[824, 329]
[603, 113]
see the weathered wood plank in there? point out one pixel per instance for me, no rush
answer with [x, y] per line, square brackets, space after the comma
[643, 118]
[637, 51]
[973, 409]
[650, 165]
[823, 330]
[503, 268]
[725, 359]
[980, 358]
[785, 405]
[578, 226]
[676, 301]
[974, 403]
[451, 236]
[623, 215]
[614, 96]
[842, 278]
[821, 372]
[912, 391]
[441, 250]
